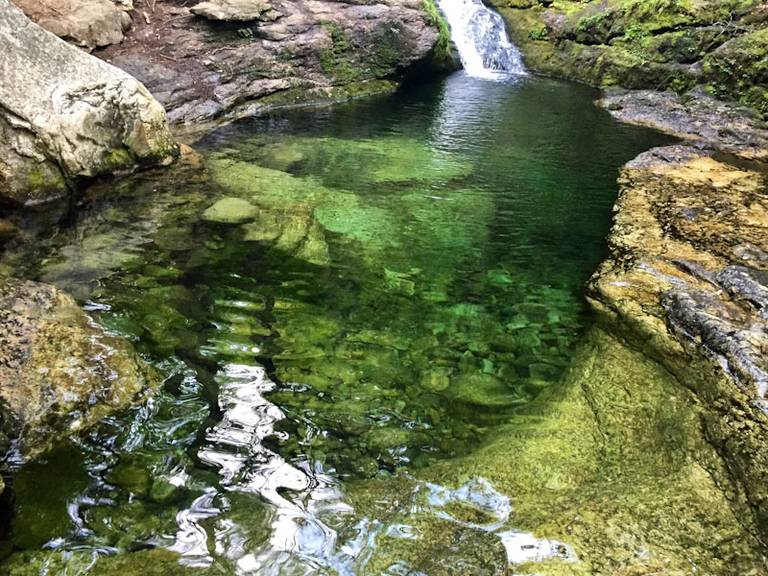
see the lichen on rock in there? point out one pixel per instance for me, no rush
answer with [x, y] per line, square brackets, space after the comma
[686, 280]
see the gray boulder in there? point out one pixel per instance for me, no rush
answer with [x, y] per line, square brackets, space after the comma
[236, 10]
[67, 116]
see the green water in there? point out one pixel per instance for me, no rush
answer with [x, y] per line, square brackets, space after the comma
[345, 297]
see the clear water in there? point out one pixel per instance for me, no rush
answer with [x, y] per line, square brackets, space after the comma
[345, 297]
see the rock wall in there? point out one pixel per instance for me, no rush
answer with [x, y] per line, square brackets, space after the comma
[66, 116]
[687, 278]
[226, 59]
[656, 44]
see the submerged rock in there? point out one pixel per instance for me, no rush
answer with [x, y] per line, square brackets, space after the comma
[59, 371]
[231, 211]
[66, 116]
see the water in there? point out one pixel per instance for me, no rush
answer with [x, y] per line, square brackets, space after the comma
[481, 39]
[346, 297]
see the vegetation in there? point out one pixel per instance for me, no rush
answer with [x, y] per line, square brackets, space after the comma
[657, 44]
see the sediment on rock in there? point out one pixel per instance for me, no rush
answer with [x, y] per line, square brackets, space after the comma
[66, 116]
[687, 279]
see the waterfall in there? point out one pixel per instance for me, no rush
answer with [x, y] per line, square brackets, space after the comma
[481, 39]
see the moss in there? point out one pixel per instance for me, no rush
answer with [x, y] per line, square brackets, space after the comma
[337, 60]
[657, 44]
[738, 70]
[442, 55]
[41, 182]
[117, 159]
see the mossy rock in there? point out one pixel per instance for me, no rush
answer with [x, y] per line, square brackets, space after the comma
[738, 70]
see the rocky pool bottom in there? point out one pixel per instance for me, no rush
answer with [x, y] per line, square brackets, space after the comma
[377, 358]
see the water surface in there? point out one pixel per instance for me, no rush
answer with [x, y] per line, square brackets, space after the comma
[346, 296]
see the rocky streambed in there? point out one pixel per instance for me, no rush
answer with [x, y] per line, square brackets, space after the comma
[369, 332]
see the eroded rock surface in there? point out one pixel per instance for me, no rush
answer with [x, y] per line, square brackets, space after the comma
[688, 277]
[225, 58]
[695, 117]
[59, 371]
[66, 116]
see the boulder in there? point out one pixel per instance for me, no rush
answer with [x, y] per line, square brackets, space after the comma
[67, 116]
[236, 10]
[85, 23]
[59, 371]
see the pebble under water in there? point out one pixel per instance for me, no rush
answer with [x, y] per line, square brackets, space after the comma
[346, 295]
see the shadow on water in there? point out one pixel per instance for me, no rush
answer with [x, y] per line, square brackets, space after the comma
[346, 295]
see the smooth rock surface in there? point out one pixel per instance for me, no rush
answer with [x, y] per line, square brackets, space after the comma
[59, 371]
[236, 10]
[67, 116]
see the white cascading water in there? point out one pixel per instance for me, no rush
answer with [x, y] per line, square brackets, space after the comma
[481, 39]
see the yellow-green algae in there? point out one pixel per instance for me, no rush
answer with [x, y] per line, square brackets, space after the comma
[611, 462]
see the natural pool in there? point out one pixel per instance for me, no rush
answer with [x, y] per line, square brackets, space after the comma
[346, 301]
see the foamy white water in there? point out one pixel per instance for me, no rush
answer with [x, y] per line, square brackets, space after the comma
[481, 39]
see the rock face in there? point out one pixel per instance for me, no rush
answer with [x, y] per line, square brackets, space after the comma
[59, 372]
[86, 23]
[641, 44]
[66, 116]
[695, 117]
[687, 280]
[230, 58]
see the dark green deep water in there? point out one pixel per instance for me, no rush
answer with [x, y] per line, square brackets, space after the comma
[348, 293]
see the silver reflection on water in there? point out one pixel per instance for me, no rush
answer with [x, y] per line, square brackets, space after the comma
[298, 496]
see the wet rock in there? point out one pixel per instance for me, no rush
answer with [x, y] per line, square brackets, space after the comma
[236, 10]
[66, 116]
[59, 371]
[86, 23]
